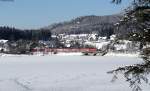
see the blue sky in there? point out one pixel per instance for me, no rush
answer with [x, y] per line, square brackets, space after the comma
[39, 13]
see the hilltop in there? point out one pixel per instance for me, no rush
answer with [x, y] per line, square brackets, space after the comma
[102, 25]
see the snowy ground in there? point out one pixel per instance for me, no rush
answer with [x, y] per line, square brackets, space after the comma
[62, 73]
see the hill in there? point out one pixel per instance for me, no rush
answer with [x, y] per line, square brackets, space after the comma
[86, 24]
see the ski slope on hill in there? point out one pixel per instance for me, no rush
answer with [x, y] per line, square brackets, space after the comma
[62, 73]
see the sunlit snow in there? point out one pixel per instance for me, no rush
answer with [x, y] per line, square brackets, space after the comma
[62, 73]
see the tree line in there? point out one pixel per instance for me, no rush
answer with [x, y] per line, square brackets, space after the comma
[14, 34]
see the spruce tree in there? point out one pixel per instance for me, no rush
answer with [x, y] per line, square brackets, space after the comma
[137, 18]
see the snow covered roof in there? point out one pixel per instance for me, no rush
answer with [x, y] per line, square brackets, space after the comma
[3, 41]
[120, 47]
[98, 45]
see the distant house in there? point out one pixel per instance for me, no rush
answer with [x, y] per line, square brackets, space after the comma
[49, 44]
[93, 37]
[125, 45]
[3, 45]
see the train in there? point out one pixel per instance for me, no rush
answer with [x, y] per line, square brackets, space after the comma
[85, 51]
[90, 50]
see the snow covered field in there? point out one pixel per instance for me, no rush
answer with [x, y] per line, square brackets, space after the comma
[62, 73]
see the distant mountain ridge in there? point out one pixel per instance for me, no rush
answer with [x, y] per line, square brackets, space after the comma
[86, 24]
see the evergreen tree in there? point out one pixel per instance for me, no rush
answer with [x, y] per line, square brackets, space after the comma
[137, 18]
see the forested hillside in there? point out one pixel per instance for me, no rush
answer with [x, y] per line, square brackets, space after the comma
[14, 34]
[104, 25]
